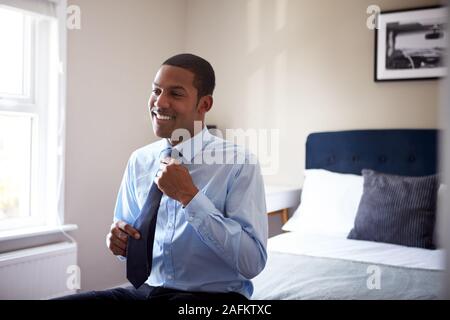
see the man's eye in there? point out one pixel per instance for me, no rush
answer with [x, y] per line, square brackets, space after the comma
[177, 94]
[156, 91]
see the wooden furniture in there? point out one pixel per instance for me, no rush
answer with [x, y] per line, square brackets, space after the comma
[280, 198]
[284, 214]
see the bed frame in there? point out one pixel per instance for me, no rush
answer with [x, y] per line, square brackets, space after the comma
[409, 152]
[402, 152]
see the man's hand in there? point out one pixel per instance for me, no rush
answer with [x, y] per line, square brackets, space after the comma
[117, 238]
[174, 180]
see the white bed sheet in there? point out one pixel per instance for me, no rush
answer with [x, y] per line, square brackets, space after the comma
[338, 247]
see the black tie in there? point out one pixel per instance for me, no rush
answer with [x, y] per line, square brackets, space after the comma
[140, 252]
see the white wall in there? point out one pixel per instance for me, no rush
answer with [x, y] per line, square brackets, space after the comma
[295, 65]
[111, 64]
[302, 66]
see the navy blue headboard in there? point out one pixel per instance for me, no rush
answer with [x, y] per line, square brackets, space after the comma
[409, 152]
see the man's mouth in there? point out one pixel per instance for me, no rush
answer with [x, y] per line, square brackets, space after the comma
[161, 116]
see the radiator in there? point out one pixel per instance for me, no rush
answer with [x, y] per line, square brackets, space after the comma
[38, 273]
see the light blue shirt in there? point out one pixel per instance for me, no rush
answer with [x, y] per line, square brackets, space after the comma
[217, 243]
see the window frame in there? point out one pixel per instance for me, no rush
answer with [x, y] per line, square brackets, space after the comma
[44, 102]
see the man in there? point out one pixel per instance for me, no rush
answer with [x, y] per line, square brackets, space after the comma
[210, 235]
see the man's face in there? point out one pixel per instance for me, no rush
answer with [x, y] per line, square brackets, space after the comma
[173, 103]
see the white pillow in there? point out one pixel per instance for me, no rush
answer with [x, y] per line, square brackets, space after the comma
[329, 203]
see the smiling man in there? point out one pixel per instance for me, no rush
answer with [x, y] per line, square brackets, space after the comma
[187, 230]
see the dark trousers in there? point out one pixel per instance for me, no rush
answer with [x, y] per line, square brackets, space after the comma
[146, 292]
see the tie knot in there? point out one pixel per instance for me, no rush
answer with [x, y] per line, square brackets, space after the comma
[170, 152]
[166, 153]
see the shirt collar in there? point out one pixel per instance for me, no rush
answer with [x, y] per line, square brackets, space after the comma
[191, 147]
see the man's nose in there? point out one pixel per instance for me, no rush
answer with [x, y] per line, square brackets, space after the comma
[162, 101]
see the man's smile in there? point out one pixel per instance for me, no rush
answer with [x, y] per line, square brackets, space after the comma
[161, 116]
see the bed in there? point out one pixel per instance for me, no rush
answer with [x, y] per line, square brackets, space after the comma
[314, 262]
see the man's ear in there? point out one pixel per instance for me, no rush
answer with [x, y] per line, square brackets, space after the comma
[205, 104]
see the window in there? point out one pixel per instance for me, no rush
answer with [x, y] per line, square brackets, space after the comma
[30, 120]
[15, 57]
[15, 171]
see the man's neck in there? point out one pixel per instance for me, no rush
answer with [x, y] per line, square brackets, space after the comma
[193, 133]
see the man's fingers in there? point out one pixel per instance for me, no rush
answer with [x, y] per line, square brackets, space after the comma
[119, 243]
[120, 234]
[165, 164]
[132, 231]
[128, 229]
[116, 250]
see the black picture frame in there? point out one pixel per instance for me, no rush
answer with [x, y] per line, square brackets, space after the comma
[414, 57]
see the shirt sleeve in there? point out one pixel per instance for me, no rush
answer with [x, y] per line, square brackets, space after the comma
[238, 235]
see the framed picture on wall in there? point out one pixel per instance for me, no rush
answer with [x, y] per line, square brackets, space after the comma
[411, 44]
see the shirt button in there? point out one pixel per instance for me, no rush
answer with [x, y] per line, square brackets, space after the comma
[191, 219]
[169, 277]
[166, 252]
[170, 225]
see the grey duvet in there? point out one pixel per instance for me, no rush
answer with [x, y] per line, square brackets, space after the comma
[294, 277]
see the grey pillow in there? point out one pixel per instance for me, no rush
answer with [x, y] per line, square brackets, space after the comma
[397, 209]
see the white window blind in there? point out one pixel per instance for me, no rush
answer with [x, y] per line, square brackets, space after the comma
[42, 7]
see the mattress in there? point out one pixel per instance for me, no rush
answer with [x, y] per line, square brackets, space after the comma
[312, 266]
[339, 247]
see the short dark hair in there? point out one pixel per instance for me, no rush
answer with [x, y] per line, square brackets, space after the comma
[204, 77]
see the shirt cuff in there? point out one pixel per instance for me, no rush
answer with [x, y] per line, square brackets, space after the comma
[198, 208]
